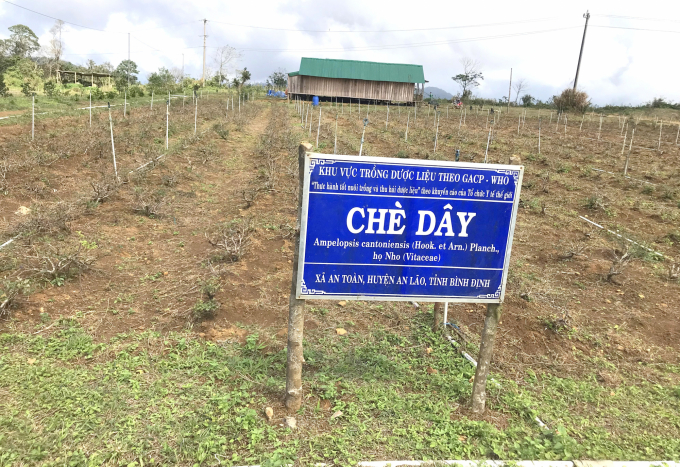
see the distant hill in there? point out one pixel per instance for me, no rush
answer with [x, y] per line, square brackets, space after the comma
[437, 93]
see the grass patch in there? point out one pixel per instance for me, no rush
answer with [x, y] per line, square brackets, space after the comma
[145, 398]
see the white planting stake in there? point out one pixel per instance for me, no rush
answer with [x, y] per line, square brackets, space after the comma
[239, 103]
[33, 118]
[539, 135]
[550, 122]
[167, 124]
[658, 148]
[436, 135]
[113, 146]
[464, 116]
[519, 119]
[599, 132]
[232, 103]
[307, 115]
[625, 137]
[460, 121]
[486, 153]
[125, 105]
[335, 144]
[318, 128]
[90, 108]
[408, 118]
[388, 116]
[677, 135]
[630, 149]
[447, 117]
[359, 106]
[151, 100]
[415, 114]
[196, 117]
[581, 127]
[558, 122]
[311, 119]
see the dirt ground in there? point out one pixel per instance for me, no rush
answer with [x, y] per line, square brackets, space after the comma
[148, 247]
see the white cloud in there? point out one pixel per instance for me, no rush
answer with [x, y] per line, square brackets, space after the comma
[619, 66]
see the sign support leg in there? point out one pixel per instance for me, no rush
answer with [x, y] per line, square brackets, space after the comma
[438, 316]
[296, 308]
[493, 316]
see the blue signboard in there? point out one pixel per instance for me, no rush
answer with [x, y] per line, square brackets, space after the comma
[378, 228]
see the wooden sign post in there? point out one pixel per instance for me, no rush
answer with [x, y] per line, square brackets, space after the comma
[296, 307]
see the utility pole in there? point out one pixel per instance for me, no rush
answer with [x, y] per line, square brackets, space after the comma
[128, 67]
[205, 21]
[578, 67]
[509, 90]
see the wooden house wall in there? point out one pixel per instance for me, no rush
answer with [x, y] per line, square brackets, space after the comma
[352, 88]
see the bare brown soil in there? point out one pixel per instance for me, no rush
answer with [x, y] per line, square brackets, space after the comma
[149, 271]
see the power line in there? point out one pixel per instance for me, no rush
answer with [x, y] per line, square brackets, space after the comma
[638, 18]
[91, 28]
[636, 29]
[57, 19]
[412, 45]
[389, 30]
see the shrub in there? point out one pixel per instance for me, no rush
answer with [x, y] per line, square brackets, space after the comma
[572, 100]
[4, 90]
[50, 88]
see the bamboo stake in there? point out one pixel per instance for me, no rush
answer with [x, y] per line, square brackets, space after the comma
[599, 132]
[113, 146]
[623, 148]
[408, 118]
[486, 153]
[460, 121]
[388, 116]
[630, 149]
[581, 127]
[519, 119]
[318, 128]
[436, 135]
[196, 117]
[167, 124]
[658, 148]
[125, 105]
[33, 117]
[90, 108]
[677, 135]
[335, 144]
[151, 99]
[539, 135]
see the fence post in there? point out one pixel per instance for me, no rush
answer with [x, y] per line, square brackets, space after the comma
[296, 308]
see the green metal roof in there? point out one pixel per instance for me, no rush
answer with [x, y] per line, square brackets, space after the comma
[293, 73]
[354, 69]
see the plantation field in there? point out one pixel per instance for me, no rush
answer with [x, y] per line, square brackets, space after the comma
[143, 319]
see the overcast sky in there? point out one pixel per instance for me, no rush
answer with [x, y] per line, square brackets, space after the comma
[628, 58]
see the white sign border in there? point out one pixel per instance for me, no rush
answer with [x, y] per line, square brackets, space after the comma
[420, 163]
